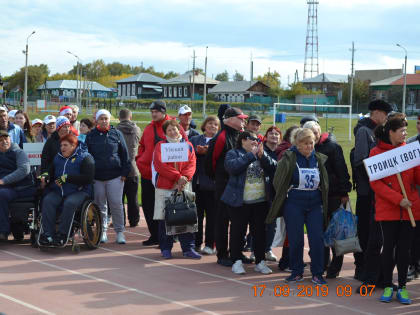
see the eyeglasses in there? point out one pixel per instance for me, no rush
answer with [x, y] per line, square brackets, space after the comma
[252, 138]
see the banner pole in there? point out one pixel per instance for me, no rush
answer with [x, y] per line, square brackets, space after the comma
[410, 213]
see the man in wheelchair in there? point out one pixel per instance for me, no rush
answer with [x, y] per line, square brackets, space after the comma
[70, 178]
[15, 179]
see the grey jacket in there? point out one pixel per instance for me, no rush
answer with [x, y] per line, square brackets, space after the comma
[132, 134]
[22, 166]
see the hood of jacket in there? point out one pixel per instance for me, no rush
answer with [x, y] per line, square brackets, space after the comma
[127, 127]
[367, 122]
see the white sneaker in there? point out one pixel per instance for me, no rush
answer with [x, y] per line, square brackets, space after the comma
[262, 267]
[270, 256]
[207, 251]
[120, 238]
[104, 238]
[238, 268]
[252, 256]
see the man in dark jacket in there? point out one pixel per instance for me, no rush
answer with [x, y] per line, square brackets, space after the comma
[131, 135]
[15, 132]
[185, 118]
[15, 180]
[367, 228]
[225, 140]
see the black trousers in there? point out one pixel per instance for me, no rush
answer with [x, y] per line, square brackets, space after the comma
[415, 247]
[397, 235]
[333, 266]
[205, 204]
[221, 225]
[372, 271]
[255, 214]
[131, 188]
[148, 204]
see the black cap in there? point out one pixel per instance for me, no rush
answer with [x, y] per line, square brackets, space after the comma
[158, 105]
[4, 133]
[255, 117]
[380, 105]
[234, 112]
[308, 118]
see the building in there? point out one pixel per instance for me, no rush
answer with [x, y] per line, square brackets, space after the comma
[240, 91]
[66, 89]
[332, 85]
[142, 85]
[376, 75]
[181, 87]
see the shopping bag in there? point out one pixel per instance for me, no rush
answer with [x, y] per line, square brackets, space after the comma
[180, 210]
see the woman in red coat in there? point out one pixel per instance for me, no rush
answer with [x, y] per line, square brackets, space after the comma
[167, 177]
[391, 209]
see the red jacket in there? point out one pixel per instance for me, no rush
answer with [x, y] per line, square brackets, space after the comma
[169, 173]
[388, 194]
[147, 145]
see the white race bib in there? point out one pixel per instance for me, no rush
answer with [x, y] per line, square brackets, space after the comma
[308, 178]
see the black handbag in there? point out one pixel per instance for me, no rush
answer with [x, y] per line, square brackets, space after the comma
[179, 210]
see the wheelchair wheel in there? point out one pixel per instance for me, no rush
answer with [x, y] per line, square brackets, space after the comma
[91, 224]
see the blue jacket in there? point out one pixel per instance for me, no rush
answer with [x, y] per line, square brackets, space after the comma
[205, 182]
[236, 164]
[72, 166]
[110, 153]
[16, 134]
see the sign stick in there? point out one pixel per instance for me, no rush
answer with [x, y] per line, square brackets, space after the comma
[410, 213]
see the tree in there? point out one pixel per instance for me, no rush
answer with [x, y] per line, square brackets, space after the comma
[272, 79]
[224, 76]
[170, 75]
[37, 75]
[360, 94]
[297, 89]
[237, 76]
[117, 68]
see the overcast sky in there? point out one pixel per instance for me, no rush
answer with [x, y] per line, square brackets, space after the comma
[164, 33]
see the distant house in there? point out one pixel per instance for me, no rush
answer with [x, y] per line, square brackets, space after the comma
[376, 75]
[239, 91]
[142, 85]
[181, 87]
[66, 89]
[331, 85]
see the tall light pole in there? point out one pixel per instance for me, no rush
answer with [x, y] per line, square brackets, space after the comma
[405, 78]
[78, 82]
[25, 95]
[205, 86]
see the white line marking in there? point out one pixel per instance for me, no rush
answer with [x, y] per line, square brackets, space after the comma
[32, 307]
[129, 232]
[112, 283]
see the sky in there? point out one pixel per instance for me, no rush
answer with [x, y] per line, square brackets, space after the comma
[164, 34]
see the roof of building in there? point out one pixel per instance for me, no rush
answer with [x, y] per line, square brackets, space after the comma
[376, 74]
[412, 79]
[72, 85]
[187, 77]
[233, 86]
[327, 77]
[143, 77]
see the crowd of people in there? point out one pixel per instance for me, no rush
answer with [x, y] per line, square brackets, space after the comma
[242, 180]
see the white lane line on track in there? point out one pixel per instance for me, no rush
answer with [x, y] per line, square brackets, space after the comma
[30, 306]
[111, 283]
[232, 280]
[136, 233]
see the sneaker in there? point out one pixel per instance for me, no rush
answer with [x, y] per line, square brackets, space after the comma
[318, 280]
[120, 238]
[238, 267]
[402, 296]
[166, 254]
[246, 260]
[104, 238]
[227, 262]
[45, 241]
[207, 251]
[192, 254]
[269, 256]
[332, 275]
[133, 224]
[292, 278]
[59, 240]
[387, 295]
[150, 242]
[252, 257]
[262, 267]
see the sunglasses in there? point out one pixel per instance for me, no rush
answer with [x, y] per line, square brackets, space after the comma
[252, 138]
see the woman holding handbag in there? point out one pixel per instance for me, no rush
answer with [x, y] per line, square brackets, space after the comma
[167, 177]
[391, 209]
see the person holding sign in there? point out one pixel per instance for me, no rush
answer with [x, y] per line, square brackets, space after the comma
[391, 209]
[168, 176]
[301, 184]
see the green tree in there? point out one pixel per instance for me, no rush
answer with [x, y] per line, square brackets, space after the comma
[272, 79]
[170, 75]
[224, 76]
[360, 94]
[37, 75]
[237, 76]
[297, 89]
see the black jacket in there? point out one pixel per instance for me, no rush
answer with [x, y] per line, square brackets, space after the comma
[204, 181]
[338, 175]
[49, 151]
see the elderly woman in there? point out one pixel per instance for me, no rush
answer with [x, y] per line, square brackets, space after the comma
[204, 186]
[301, 184]
[247, 194]
[112, 166]
[22, 120]
[71, 177]
[170, 176]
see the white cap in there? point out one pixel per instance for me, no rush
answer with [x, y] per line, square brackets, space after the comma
[49, 119]
[103, 112]
[36, 121]
[184, 109]
[3, 109]
[12, 113]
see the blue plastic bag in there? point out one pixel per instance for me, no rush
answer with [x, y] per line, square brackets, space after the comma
[343, 225]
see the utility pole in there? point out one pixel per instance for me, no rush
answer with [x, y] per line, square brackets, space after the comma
[25, 95]
[205, 86]
[352, 75]
[193, 78]
[405, 79]
[251, 76]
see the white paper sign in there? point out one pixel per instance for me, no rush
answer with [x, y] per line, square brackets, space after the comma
[393, 161]
[33, 152]
[174, 152]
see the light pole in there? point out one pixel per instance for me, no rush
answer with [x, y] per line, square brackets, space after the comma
[25, 95]
[405, 78]
[78, 82]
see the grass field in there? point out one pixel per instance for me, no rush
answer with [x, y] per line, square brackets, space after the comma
[339, 125]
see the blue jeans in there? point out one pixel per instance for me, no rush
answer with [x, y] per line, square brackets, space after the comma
[167, 241]
[295, 216]
[50, 206]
